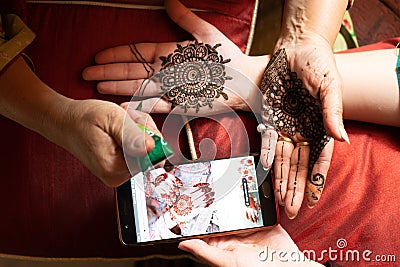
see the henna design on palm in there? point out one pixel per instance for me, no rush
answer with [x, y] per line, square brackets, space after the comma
[290, 108]
[193, 76]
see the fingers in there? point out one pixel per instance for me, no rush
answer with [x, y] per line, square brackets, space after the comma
[124, 88]
[332, 107]
[151, 105]
[135, 87]
[292, 178]
[252, 215]
[130, 137]
[135, 53]
[203, 197]
[161, 105]
[166, 188]
[142, 118]
[200, 29]
[205, 252]
[117, 71]
[284, 150]
[252, 211]
[268, 145]
[316, 181]
[123, 62]
[297, 179]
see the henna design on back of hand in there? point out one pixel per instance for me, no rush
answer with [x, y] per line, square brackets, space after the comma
[290, 108]
[193, 76]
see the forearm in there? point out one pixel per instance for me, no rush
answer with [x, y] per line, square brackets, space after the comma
[303, 20]
[25, 99]
[371, 90]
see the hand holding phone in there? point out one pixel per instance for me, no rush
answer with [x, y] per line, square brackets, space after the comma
[195, 200]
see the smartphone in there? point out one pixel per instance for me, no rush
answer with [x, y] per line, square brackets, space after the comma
[194, 200]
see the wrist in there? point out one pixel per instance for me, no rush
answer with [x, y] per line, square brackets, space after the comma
[54, 117]
[307, 38]
[257, 69]
[304, 18]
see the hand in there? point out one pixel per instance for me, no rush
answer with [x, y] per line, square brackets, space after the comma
[307, 39]
[201, 195]
[252, 211]
[124, 69]
[314, 62]
[254, 249]
[296, 171]
[92, 132]
[191, 201]
[147, 57]
[303, 149]
[167, 186]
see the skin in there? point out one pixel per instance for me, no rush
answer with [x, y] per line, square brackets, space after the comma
[91, 130]
[122, 73]
[308, 38]
[41, 109]
[244, 250]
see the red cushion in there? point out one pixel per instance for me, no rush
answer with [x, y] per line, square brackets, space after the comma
[51, 205]
[360, 202]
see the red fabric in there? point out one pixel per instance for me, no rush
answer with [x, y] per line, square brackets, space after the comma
[386, 44]
[13, 7]
[50, 204]
[360, 202]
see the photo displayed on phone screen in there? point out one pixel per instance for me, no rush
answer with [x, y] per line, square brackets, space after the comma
[196, 199]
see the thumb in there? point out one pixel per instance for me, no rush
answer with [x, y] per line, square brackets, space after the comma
[211, 255]
[199, 28]
[128, 135]
[332, 108]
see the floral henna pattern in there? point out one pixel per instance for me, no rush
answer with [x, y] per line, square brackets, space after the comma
[193, 76]
[289, 106]
[183, 205]
[318, 182]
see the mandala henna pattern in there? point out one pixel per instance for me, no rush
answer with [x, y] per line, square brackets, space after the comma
[193, 76]
[289, 106]
[183, 205]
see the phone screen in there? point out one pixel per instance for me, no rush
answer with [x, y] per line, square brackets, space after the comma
[195, 199]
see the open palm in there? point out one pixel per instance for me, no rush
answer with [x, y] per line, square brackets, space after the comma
[124, 70]
[133, 70]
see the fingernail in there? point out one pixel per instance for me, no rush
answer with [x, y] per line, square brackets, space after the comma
[139, 142]
[266, 169]
[291, 216]
[149, 143]
[143, 143]
[344, 135]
